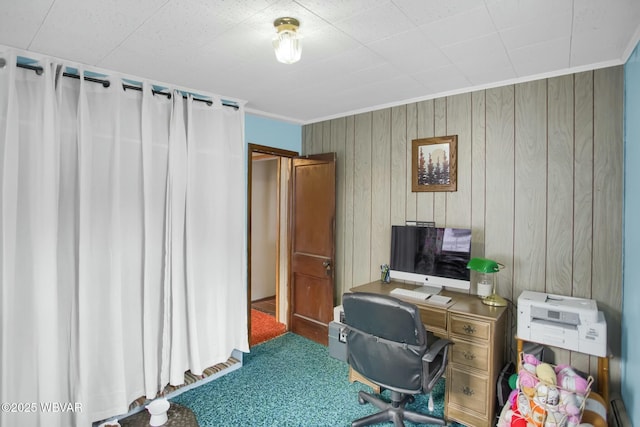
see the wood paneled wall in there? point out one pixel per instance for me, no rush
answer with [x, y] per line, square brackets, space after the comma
[540, 183]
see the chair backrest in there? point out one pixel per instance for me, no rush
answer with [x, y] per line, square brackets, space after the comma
[386, 340]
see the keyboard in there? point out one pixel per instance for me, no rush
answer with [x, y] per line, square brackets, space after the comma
[420, 296]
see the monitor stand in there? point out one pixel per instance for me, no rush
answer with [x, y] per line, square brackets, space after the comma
[432, 290]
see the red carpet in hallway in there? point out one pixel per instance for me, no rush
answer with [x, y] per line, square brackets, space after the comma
[264, 327]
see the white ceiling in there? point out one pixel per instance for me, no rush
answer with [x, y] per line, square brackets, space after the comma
[358, 55]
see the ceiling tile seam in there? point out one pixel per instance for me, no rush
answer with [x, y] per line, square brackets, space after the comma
[313, 13]
[35, 35]
[504, 47]
[435, 46]
[444, 54]
[371, 51]
[364, 45]
[255, 12]
[149, 17]
[451, 63]
[403, 12]
[322, 18]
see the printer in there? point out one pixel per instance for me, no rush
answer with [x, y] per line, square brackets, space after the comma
[560, 321]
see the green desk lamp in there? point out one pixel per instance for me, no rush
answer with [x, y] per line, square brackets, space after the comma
[487, 269]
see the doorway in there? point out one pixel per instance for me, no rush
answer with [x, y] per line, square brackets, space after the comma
[267, 230]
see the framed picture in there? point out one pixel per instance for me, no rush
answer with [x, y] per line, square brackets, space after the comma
[434, 164]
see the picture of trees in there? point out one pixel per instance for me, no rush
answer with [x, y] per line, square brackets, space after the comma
[433, 164]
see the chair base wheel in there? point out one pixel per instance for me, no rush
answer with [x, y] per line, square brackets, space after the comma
[393, 411]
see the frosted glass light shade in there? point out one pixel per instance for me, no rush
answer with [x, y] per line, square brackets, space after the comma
[287, 43]
[288, 47]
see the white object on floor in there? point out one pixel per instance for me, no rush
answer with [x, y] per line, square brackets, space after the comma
[158, 410]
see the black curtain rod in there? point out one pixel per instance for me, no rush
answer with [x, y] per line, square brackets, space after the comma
[106, 83]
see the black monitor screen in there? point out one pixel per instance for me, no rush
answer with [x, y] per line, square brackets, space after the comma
[432, 251]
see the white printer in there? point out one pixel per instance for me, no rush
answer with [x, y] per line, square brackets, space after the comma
[560, 321]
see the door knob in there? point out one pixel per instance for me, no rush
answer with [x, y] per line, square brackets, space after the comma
[327, 264]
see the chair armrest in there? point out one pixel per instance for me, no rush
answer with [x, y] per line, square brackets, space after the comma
[434, 369]
[435, 349]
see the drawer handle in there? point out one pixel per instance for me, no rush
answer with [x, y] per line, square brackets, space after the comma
[467, 391]
[469, 355]
[469, 329]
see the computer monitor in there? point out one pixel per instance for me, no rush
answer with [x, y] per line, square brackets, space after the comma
[431, 256]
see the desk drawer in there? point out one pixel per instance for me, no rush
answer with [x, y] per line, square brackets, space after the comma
[470, 328]
[469, 391]
[433, 319]
[471, 355]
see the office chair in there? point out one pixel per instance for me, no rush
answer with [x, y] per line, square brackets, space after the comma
[387, 344]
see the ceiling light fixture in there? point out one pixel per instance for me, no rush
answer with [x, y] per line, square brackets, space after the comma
[287, 41]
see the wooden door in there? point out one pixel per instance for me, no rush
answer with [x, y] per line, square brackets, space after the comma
[313, 206]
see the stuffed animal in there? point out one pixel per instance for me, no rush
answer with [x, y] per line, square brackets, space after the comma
[567, 378]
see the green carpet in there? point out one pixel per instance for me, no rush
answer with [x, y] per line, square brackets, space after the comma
[287, 381]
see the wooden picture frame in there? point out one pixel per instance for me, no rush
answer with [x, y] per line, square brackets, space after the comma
[434, 164]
